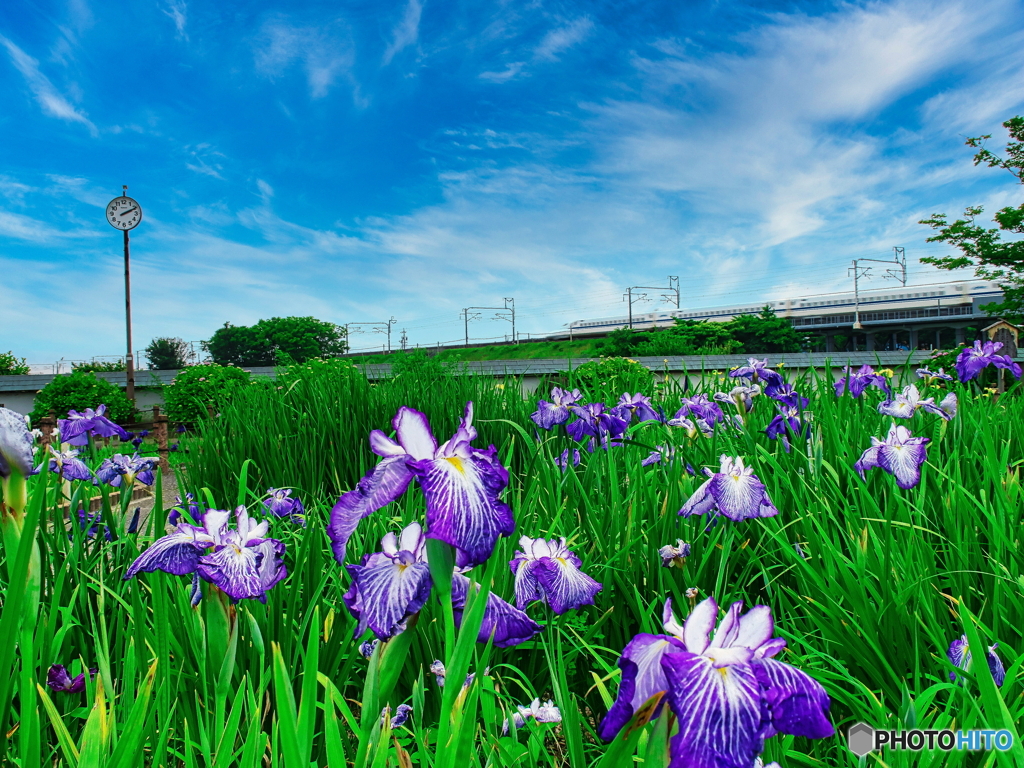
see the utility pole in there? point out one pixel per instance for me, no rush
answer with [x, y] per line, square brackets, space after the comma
[671, 294]
[383, 327]
[405, 340]
[508, 312]
[899, 259]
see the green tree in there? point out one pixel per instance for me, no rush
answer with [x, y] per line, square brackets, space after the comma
[167, 354]
[277, 340]
[98, 366]
[198, 387]
[11, 365]
[982, 248]
[765, 332]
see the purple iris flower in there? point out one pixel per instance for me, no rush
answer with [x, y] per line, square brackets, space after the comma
[68, 465]
[461, 485]
[900, 454]
[181, 429]
[120, 468]
[400, 717]
[786, 395]
[924, 373]
[89, 523]
[390, 586]
[859, 380]
[674, 555]
[635, 405]
[546, 570]
[960, 656]
[281, 504]
[725, 689]
[77, 427]
[183, 508]
[972, 360]
[507, 624]
[700, 407]
[242, 562]
[16, 451]
[757, 371]
[904, 404]
[593, 421]
[734, 491]
[787, 423]
[562, 462]
[59, 679]
[660, 453]
[556, 412]
[137, 442]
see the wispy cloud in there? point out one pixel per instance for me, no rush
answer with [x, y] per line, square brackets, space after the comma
[561, 39]
[326, 53]
[512, 70]
[406, 31]
[52, 102]
[177, 11]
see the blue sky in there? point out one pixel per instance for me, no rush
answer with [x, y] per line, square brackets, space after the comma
[361, 160]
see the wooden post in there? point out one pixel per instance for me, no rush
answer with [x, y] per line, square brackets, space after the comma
[160, 432]
[46, 425]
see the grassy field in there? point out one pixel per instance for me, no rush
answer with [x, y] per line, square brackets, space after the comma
[867, 583]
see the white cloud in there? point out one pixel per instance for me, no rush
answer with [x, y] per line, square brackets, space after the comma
[406, 31]
[325, 52]
[45, 93]
[511, 71]
[563, 38]
[177, 11]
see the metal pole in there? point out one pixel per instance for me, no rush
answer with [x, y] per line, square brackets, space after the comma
[130, 361]
[856, 299]
[629, 298]
[465, 316]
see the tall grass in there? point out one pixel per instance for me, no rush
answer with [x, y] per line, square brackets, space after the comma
[868, 584]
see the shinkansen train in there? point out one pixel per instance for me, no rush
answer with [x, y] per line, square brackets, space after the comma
[945, 302]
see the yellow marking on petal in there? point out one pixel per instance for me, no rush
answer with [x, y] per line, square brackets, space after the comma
[457, 463]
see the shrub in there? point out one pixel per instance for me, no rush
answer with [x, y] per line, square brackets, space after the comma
[95, 366]
[79, 390]
[11, 365]
[198, 386]
[609, 377]
[418, 364]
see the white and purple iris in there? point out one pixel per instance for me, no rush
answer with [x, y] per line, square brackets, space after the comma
[734, 491]
[389, 587]
[959, 655]
[741, 397]
[725, 689]
[638, 405]
[556, 412]
[461, 485]
[120, 469]
[786, 424]
[77, 427]
[241, 561]
[281, 503]
[674, 555]
[941, 375]
[546, 570]
[539, 712]
[68, 465]
[973, 360]
[859, 380]
[906, 403]
[900, 454]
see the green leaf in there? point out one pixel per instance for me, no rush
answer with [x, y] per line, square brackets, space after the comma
[286, 717]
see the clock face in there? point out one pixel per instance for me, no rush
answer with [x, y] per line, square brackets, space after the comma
[124, 213]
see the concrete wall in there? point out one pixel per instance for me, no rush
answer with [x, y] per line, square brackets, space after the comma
[18, 392]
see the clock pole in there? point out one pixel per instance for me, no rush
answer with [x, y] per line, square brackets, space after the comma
[129, 362]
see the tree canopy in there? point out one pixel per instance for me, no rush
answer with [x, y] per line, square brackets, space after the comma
[277, 340]
[167, 354]
[983, 248]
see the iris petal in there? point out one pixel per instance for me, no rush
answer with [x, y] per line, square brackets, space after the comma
[236, 570]
[384, 484]
[565, 585]
[642, 678]
[722, 717]
[463, 508]
[414, 433]
[903, 461]
[177, 553]
[797, 703]
[390, 591]
[508, 625]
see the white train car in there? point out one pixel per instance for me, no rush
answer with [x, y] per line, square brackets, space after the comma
[918, 303]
